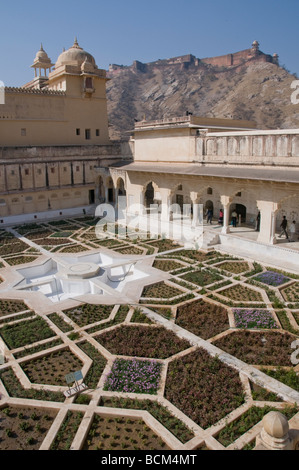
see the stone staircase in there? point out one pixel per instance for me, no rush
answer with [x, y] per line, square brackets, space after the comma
[209, 240]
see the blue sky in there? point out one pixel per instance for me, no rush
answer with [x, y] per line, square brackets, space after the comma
[121, 31]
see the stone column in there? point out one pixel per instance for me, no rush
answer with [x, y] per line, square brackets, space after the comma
[196, 216]
[196, 213]
[96, 191]
[225, 201]
[268, 211]
[115, 196]
[194, 209]
[165, 205]
[273, 227]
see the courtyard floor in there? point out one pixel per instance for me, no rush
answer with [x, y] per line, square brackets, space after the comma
[194, 363]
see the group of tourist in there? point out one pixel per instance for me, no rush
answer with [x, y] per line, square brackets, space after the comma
[284, 229]
[209, 214]
[289, 232]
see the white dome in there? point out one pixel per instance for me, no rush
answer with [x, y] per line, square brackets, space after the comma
[42, 57]
[75, 56]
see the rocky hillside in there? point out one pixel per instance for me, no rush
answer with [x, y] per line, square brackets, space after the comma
[256, 91]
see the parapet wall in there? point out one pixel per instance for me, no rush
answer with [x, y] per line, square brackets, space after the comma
[276, 148]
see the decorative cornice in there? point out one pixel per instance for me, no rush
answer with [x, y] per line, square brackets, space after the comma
[34, 91]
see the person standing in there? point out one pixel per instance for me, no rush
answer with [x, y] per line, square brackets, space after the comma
[292, 231]
[220, 220]
[234, 218]
[283, 226]
[258, 222]
[209, 216]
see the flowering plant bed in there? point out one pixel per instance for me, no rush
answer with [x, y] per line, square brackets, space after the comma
[203, 387]
[285, 322]
[52, 368]
[58, 223]
[163, 415]
[202, 278]
[139, 317]
[133, 376]
[39, 234]
[202, 318]
[119, 433]
[234, 267]
[291, 293]
[160, 290]
[129, 250]
[254, 415]
[260, 348]
[67, 431]
[166, 265]
[11, 306]
[24, 428]
[16, 260]
[107, 242]
[119, 318]
[287, 376]
[194, 255]
[26, 332]
[272, 278]
[142, 341]
[88, 313]
[239, 292]
[25, 228]
[261, 394]
[84, 220]
[60, 322]
[164, 311]
[257, 268]
[15, 389]
[10, 248]
[62, 234]
[164, 245]
[73, 249]
[254, 319]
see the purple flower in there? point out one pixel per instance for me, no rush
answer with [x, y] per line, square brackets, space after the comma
[254, 319]
[133, 376]
[272, 278]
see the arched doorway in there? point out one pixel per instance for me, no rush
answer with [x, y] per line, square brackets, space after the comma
[149, 195]
[210, 198]
[209, 205]
[120, 185]
[110, 189]
[245, 204]
[242, 212]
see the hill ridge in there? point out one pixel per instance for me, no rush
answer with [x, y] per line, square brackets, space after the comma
[247, 85]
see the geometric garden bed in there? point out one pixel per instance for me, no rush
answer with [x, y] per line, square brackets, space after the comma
[154, 380]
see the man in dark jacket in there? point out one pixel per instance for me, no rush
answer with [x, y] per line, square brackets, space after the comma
[283, 227]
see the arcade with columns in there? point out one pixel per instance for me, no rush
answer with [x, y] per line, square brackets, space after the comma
[210, 164]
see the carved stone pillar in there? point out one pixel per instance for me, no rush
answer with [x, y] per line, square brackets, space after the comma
[268, 210]
[226, 202]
